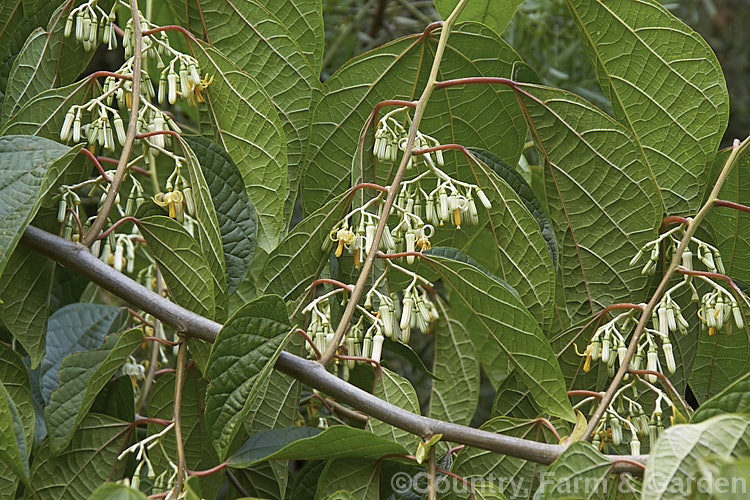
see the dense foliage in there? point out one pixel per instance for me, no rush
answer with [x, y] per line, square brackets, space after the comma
[433, 225]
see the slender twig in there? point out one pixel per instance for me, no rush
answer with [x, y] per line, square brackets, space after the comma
[78, 259]
[122, 165]
[432, 475]
[731, 204]
[179, 380]
[343, 325]
[737, 151]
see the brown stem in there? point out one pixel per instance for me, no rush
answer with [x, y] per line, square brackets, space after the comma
[122, 165]
[179, 380]
[731, 204]
[432, 475]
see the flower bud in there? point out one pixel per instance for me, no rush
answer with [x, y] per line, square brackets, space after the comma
[172, 85]
[67, 124]
[483, 199]
[605, 349]
[119, 129]
[406, 313]
[377, 347]
[410, 240]
[669, 356]
[68, 25]
[118, 262]
[687, 260]
[737, 313]
[616, 427]
[636, 258]
[652, 364]
[635, 446]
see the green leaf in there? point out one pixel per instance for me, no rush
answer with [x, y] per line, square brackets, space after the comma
[526, 195]
[581, 471]
[399, 70]
[512, 399]
[359, 477]
[90, 460]
[600, 195]
[502, 330]
[306, 480]
[82, 376]
[74, 328]
[43, 115]
[209, 233]
[116, 491]
[299, 258]
[405, 351]
[13, 446]
[252, 133]
[674, 463]
[18, 18]
[735, 398]
[15, 379]
[234, 211]
[182, 263]
[731, 228]
[519, 477]
[396, 390]
[720, 360]
[195, 436]
[455, 393]
[30, 165]
[25, 292]
[117, 399]
[308, 443]
[241, 358]
[675, 66]
[725, 478]
[251, 34]
[494, 14]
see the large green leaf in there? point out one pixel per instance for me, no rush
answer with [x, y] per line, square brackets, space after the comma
[494, 14]
[25, 292]
[29, 166]
[90, 460]
[503, 331]
[674, 463]
[308, 443]
[209, 233]
[234, 211]
[18, 18]
[116, 491]
[198, 454]
[473, 115]
[720, 360]
[580, 471]
[665, 84]
[82, 376]
[182, 263]
[349, 478]
[731, 228]
[15, 378]
[44, 114]
[396, 390]
[74, 328]
[508, 241]
[13, 445]
[455, 393]
[517, 478]
[251, 131]
[251, 35]
[734, 399]
[241, 358]
[601, 197]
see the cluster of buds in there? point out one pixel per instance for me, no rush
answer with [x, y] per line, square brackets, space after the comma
[92, 25]
[391, 137]
[717, 308]
[141, 451]
[97, 130]
[68, 213]
[608, 343]
[117, 251]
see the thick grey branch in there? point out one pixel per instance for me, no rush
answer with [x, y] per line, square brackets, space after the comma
[77, 258]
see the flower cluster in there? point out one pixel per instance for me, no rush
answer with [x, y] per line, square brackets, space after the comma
[92, 24]
[141, 450]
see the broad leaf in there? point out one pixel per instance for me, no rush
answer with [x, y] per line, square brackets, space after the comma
[581, 471]
[90, 461]
[30, 165]
[259, 43]
[182, 263]
[116, 491]
[519, 477]
[13, 445]
[396, 390]
[734, 399]
[677, 454]
[399, 70]
[74, 328]
[15, 379]
[308, 443]
[494, 14]
[349, 478]
[595, 178]
[665, 84]
[455, 394]
[209, 233]
[720, 360]
[82, 376]
[503, 331]
[512, 399]
[242, 356]
[234, 211]
[252, 133]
